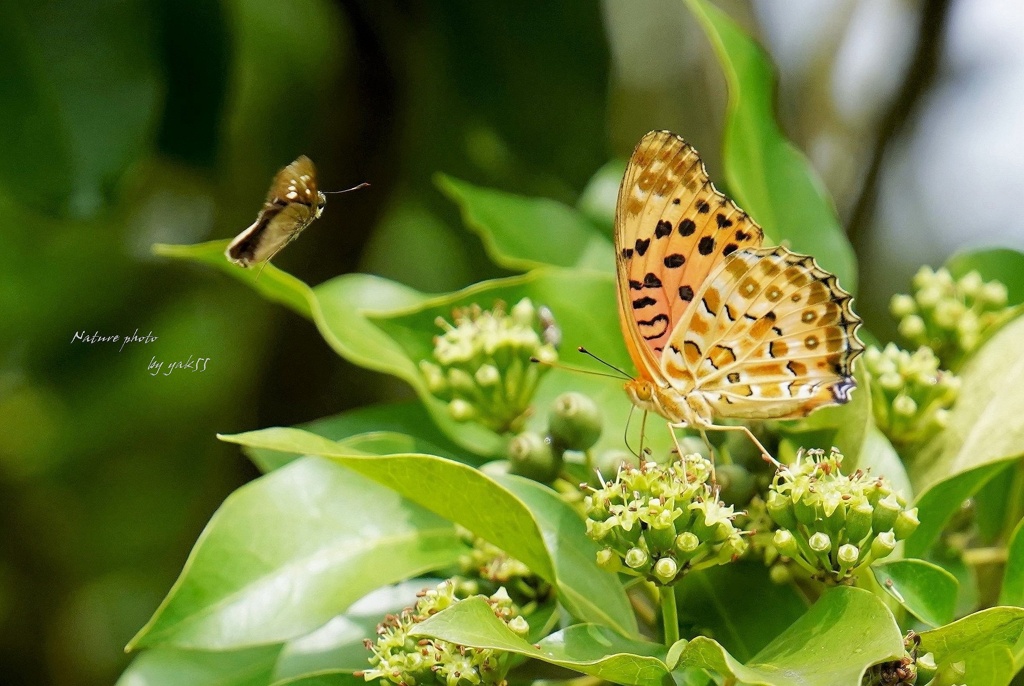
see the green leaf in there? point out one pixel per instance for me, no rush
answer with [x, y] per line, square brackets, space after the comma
[1002, 264]
[584, 648]
[878, 455]
[767, 175]
[379, 429]
[471, 498]
[597, 201]
[289, 551]
[1012, 592]
[523, 233]
[70, 127]
[942, 501]
[925, 590]
[981, 641]
[586, 590]
[717, 601]
[273, 284]
[330, 677]
[175, 667]
[985, 425]
[843, 634]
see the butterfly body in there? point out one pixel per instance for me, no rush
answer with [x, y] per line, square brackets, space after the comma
[292, 204]
[717, 326]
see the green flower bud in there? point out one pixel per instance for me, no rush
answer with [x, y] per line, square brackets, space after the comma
[780, 575]
[531, 456]
[665, 570]
[786, 543]
[883, 545]
[926, 667]
[687, 542]
[886, 511]
[820, 542]
[518, 625]
[575, 421]
[902, 305]
[858, 521]
[460, 410]
[487, 375]
[912, 327]
[904, 405]
[848, 554]
[608, 560]
[994, 294]
[781, 510]
[636, 558]
[906, 524]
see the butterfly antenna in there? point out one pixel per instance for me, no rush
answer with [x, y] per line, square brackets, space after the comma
[606, 364]
[569, 368]
[625, 432]
[347, 190]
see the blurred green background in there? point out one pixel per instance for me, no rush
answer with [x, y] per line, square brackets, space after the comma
[129, 122]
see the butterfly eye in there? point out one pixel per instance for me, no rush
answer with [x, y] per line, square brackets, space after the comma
[643, 392]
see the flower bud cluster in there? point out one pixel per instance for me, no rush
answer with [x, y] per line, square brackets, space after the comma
[951, 316]
[910, 395]
[399, 658]
[482, 363]
[574, 423]
[662, 521]
[911, 669]
[495, 568]
[832, 524]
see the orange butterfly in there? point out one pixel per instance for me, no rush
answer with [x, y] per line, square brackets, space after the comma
[717, 326]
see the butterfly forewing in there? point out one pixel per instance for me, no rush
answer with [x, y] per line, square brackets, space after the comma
[770, 334]
[672, 228]
[292, 203]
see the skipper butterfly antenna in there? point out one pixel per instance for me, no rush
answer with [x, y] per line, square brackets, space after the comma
[347, 190]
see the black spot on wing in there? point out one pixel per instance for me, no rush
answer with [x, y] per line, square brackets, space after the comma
[652, 322]
[627, 253]
[651, 280]
[706, 246]
[642, 245]
[686, 293]
[635, 285]
[742, 235]
[722, 221]
[643, 302]
[729, 249]
[687, 227]
[703, 207]
[663, 229]
[674, 260]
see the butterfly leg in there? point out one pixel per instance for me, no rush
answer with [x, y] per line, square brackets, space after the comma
[765, 455]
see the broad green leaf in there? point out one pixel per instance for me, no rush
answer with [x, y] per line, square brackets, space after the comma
[273, 284]
[329, 677]
[471, 498]
[925, 590]
[523, 233]
[1002, 264]
[585, 648]
[337, 646]
[982, 642]
[380, 429]
[985, 425]
[717, 601]
[843, 634]
[176, 667]
[289, 551]
[878, 455]
[941, 501]
[1012, 592]
[80, 89]
[585, 589]
[597, 201]
[766, 174]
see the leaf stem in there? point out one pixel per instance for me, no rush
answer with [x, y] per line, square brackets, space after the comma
[669, 614]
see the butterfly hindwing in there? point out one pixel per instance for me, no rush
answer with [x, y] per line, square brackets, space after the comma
[770, 334]
[672, 228]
